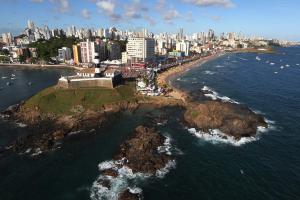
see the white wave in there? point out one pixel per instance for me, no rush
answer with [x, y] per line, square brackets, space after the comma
[243, 59]
[135, 190]
[75, 132]
[215, 96]
[219, 66]
[215, 136]
[298, 64]
[207, 72]
[21, 125]
[272, 63]
[162, 172]
[126, 178]
[37, 152]
[166, 148]
[287, 65]
[4, 77]
[116, 184]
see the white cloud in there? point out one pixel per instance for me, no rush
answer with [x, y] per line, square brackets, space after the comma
[85, 13]
[106, 6]
[171, 15]
[62, 6]
[206, 3]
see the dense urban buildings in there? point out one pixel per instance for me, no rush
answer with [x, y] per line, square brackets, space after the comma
[112, 47]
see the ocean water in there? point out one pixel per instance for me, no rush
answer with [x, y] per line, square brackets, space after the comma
[267, 167]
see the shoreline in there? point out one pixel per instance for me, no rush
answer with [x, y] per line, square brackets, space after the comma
[165, 78]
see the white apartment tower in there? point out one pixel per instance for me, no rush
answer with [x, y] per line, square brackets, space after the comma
[140, 49]
[183, 46]
[87, 50]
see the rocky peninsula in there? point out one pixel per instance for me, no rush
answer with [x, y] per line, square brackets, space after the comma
[56, 113]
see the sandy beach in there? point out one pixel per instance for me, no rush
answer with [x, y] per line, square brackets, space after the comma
[164, 79]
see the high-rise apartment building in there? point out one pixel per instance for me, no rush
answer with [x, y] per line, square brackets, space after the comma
[183, 46]
[76, 54]
[140, 49]
[113, 51]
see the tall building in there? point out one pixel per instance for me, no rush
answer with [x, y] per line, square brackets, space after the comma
[100, 49]
[113, 51]
[87, 50]
[183, 46]
[30, 25]
[7, 38]
[64, 54]
[140, 49]
[76, 54]
[181, 36]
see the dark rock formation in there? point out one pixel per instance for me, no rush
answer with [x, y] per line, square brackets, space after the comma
[141, 151]
[127, 195]
[232, 119]
[48, 130]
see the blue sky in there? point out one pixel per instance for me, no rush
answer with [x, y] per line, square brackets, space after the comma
[269, 18]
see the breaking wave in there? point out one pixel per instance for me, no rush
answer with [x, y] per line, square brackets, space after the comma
[109, 187]
[215, 136]
[215, 96]
[207, 72]
[220, 66]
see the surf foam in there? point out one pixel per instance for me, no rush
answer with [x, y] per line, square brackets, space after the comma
[126, 179]
[207, 72]
[215, 95]
[215, 136]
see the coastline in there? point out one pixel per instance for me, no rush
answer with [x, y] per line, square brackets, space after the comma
[165, 78]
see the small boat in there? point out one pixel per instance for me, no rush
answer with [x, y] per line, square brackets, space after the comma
[9, 83]
[13, 75]
[257, 58]
[4, 77]
[282, 67]
[297, 64]
[275, 72]
[272, 63]
[287, 65]
[29, 83]
[12, 78]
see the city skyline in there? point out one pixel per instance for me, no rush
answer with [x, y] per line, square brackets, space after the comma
[274, 19]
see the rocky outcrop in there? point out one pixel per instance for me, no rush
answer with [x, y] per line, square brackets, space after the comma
[232, 119]
[141, 151]
[137, 156]
[48, 130]
[127, 195]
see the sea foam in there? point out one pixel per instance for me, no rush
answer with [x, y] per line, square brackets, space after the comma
[126, 179]
[215, 95]
[207, 72]
[215, 136]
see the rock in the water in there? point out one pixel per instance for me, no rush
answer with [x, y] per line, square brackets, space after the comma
[110, 172]
[141, 151]
[232, 119]
[127, 195]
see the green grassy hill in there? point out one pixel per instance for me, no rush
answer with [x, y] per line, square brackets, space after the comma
[62, 101]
